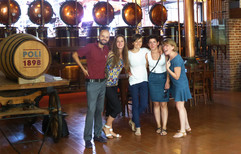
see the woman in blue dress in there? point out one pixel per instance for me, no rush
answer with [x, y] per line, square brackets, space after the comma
[180, 88]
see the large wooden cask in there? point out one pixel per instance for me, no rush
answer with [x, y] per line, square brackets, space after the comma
[24, 56]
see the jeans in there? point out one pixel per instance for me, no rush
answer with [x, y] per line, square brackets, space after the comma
[139, 94]
[95, 101]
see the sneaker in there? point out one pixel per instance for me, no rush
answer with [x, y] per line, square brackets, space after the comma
[100, 139]
[88, 144]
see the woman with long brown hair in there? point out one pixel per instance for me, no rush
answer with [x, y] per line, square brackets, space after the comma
[117, 59]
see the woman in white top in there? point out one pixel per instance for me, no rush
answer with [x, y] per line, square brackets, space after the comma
[138, 82]
[158, 83]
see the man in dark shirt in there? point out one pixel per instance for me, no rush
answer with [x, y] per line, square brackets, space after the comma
[96, 56]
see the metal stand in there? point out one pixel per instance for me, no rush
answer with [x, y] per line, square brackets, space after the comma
[54, 125]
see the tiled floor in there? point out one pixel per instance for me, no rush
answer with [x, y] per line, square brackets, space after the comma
[216, 129]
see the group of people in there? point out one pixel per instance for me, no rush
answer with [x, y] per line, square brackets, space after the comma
[102, 74]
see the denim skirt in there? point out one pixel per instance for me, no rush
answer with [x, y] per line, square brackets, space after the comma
[157, 90]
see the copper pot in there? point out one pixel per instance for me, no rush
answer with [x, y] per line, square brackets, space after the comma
[103, 13]
[71, 12]
[14, 9]
[158, 14]
[34, 12]
[132, 14]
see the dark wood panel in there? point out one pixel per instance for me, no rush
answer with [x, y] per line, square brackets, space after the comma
[235, 13]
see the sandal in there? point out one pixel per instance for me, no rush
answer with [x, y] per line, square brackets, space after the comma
[132, 125]
[109, 136]
[188, 130]
[114, 134]
[138, 132]
[180, 134]
[158, 130]
[163, 132]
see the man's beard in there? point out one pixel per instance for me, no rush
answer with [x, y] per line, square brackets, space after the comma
[102, 43]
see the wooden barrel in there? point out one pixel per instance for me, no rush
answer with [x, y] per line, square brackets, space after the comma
[40, 32]
[6, 31]
[67, 36]
[24, 56]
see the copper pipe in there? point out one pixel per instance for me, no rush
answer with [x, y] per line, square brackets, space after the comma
[189, 28]
[217, 9]
[203, 26]
[162, 13]
[214, 8]
[209, 12]
[107, 9]
[9, 14]
[76, 20]
[203, 12]
[220, 9]
[197, 18]
[179, 29]
[42, 12]
[136, 12]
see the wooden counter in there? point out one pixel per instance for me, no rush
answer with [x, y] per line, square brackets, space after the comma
[6, 84]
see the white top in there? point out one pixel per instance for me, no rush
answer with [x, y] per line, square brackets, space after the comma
[138, 66]
[160, 67]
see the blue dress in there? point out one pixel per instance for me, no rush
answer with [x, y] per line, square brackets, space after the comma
[180, 88]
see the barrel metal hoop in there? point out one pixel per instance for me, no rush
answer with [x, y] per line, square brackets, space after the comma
[5, 67]
[66, 37]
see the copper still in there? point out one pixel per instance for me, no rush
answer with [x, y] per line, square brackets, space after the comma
[158, 14]
[132, 14]
[103, 13]
[35, 14]
[14, 13]
[71, 12]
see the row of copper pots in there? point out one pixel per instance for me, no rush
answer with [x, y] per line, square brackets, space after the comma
[71, 12]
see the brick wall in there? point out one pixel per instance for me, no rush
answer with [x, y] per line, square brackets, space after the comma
[228, 70]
